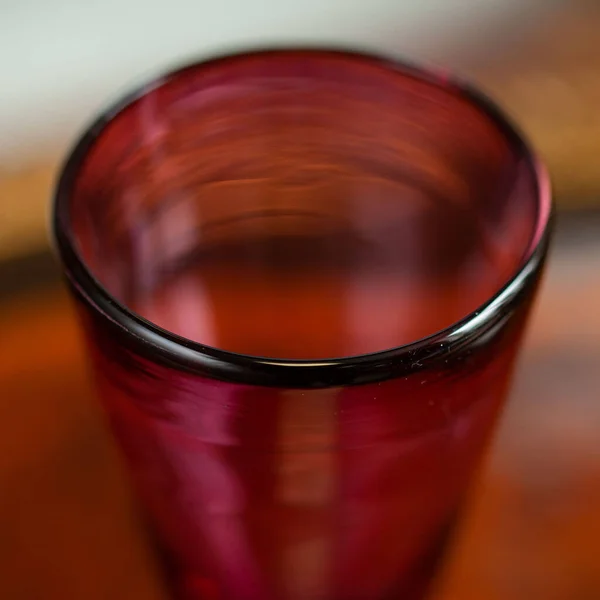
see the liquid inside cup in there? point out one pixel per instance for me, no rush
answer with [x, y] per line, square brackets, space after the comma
[303, 207]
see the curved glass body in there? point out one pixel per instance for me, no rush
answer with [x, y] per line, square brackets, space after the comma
[304, 277]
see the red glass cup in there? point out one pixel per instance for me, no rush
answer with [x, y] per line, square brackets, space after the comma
[303, 277]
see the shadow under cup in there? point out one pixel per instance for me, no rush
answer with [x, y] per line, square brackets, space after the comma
[303, 276]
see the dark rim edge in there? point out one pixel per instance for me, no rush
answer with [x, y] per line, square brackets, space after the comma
[178, 352]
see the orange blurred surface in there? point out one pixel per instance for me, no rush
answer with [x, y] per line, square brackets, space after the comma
[69, 529]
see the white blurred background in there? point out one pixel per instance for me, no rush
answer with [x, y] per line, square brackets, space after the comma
[60, 60]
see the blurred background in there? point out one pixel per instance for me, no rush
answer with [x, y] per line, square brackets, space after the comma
[534, 528]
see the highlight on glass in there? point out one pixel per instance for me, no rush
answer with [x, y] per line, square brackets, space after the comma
[303, 277]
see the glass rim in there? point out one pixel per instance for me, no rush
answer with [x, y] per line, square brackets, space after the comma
[162, 346]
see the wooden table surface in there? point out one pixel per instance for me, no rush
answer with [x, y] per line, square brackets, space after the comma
[69, 529]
